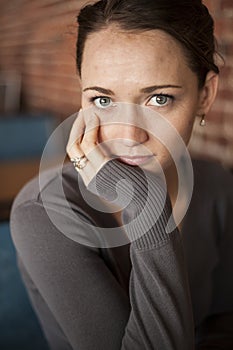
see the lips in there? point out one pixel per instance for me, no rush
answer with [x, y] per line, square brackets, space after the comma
[137, 160]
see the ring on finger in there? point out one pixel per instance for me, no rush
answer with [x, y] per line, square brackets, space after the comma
[79, 162]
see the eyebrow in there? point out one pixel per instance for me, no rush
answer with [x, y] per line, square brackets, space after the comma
[146, 90]
[150, 89]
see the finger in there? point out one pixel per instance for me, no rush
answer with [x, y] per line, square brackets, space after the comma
[73, 147]
[90, 145]
[90, 140]
[87, 145]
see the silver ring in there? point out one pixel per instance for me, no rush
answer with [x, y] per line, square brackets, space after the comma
[79, 162]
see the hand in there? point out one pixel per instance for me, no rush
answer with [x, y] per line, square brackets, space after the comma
[83, 142]
[135, 191]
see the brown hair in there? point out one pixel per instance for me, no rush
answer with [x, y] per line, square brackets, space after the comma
[188, 21]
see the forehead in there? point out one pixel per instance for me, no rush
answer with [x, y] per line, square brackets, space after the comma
[112, 53]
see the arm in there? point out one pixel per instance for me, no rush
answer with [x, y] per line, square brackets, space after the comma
[161, 313]
[83, 296]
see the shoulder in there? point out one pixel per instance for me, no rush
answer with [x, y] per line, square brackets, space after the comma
[46, 187]
[57, 200]
[52, 203]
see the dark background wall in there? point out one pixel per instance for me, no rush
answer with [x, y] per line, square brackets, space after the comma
[37, 44]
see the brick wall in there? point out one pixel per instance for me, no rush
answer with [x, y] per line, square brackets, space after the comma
[216, 139]
[37, 40]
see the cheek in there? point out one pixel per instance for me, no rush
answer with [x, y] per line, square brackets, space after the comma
[107, 133]
[186, 130]
[184, 126]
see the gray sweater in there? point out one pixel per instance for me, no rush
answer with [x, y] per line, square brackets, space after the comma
[154, 293]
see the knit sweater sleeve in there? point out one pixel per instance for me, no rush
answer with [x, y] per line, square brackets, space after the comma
[161, 312]
[76, 295]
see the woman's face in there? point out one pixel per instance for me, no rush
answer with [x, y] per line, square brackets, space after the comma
[148, 69]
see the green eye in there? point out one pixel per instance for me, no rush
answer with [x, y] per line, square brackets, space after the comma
[102, 102]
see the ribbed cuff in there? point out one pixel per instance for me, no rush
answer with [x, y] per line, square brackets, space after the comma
[150, 230]
[142, 197]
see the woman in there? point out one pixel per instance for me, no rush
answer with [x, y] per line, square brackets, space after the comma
[156, 289]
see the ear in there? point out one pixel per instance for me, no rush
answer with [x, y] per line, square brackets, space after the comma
[208, 93]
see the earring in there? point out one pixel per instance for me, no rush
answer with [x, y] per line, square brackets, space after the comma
[203, 122]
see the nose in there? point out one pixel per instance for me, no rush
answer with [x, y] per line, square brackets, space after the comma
[131, 131]
[132, 135]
